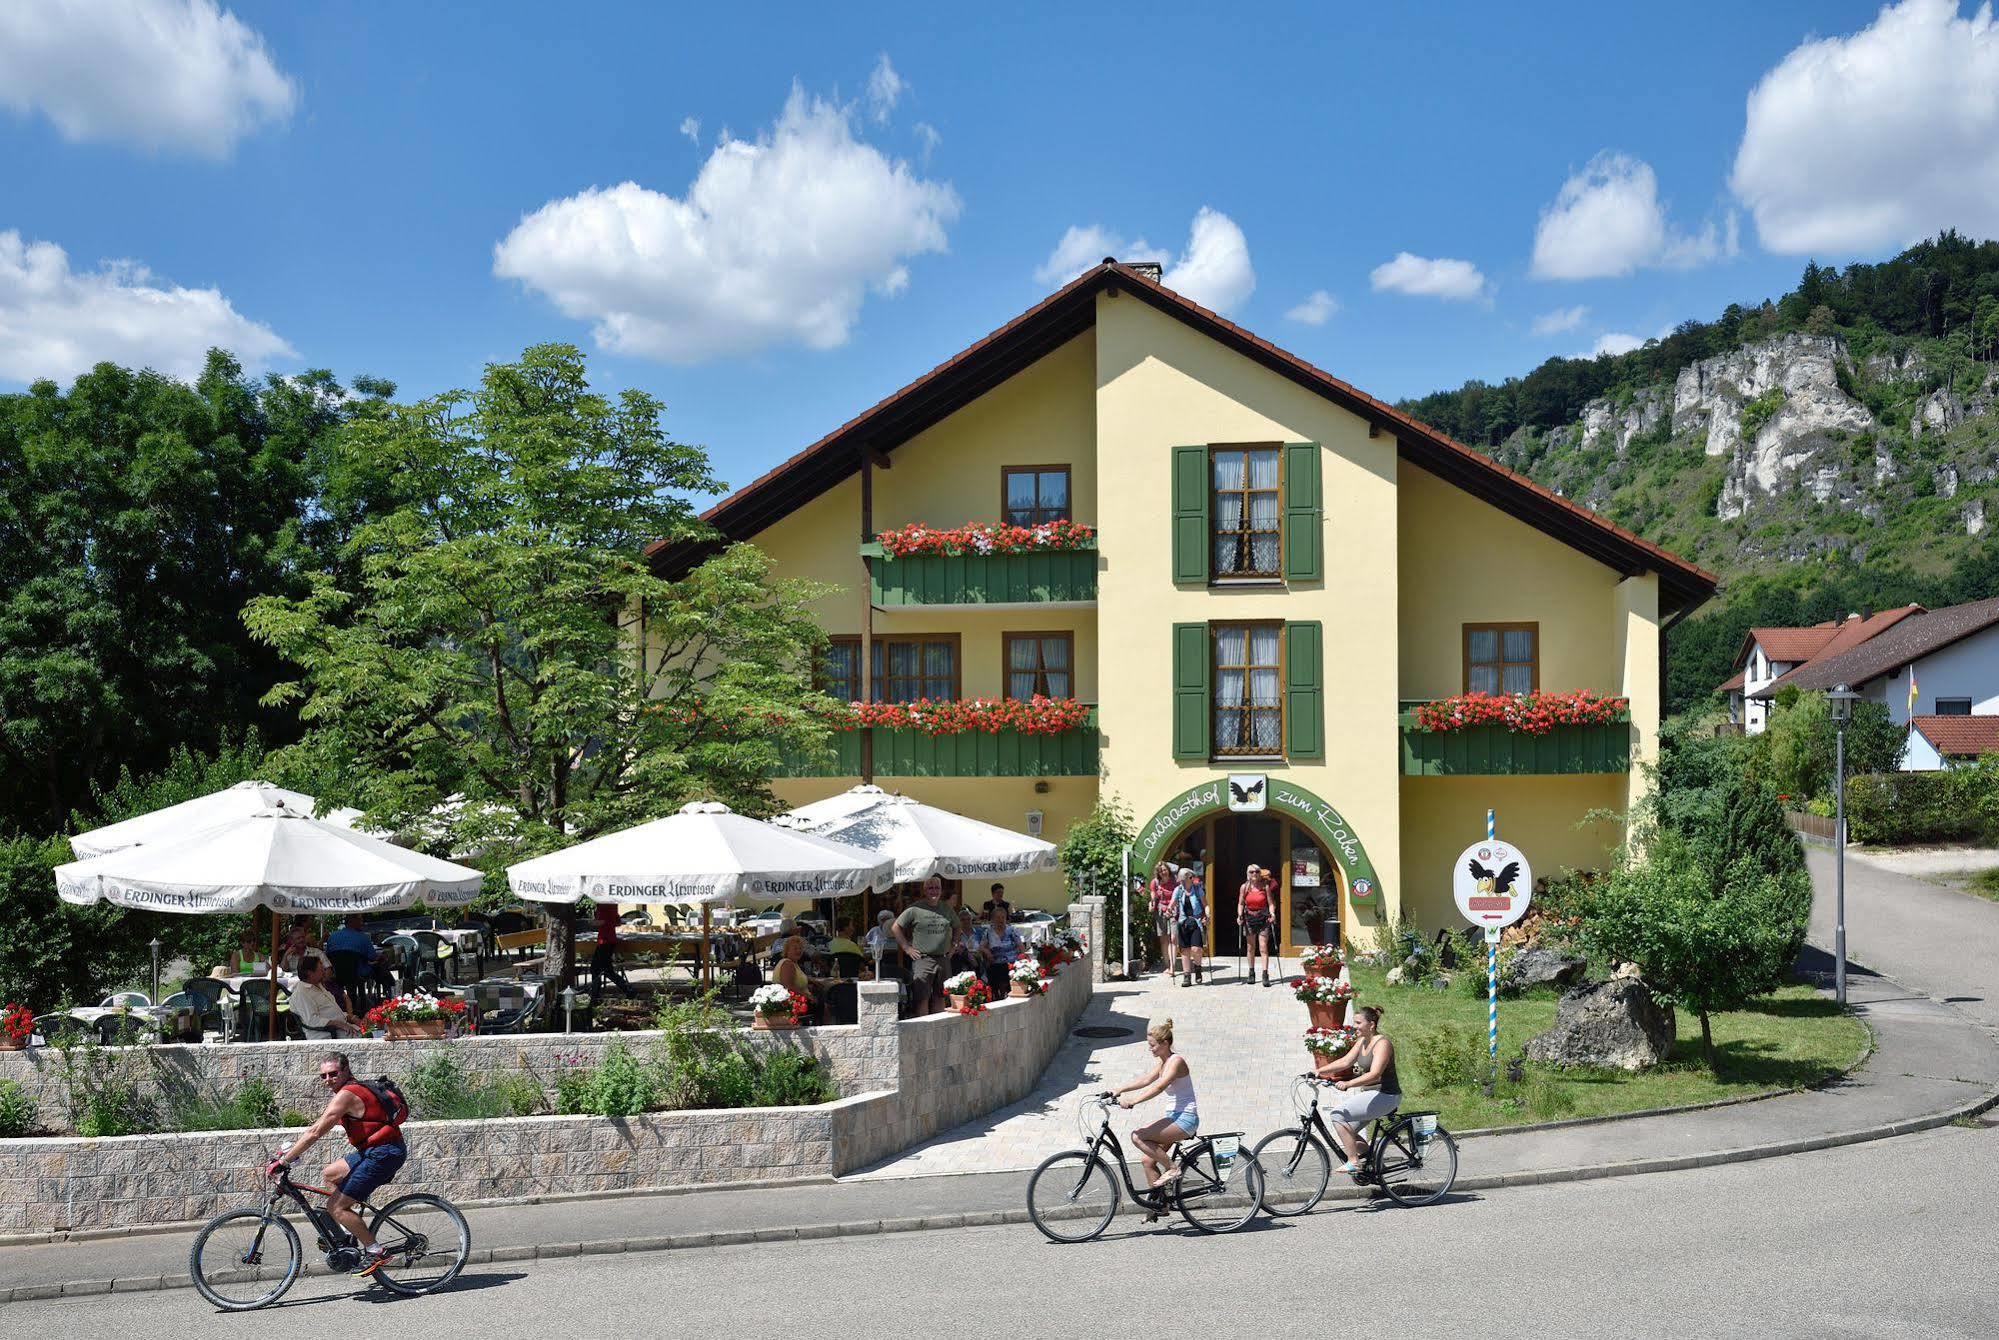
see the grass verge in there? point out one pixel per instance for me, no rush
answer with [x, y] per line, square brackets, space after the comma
[1791, 1039]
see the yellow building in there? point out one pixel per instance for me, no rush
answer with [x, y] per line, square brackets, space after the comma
[1284, 568]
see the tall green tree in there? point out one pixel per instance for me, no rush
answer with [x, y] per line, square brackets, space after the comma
[505, 641]
[137, 515]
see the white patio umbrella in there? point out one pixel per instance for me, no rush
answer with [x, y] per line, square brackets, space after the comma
[705, 855]
[177, 821]
[275, 858]
[921, 839]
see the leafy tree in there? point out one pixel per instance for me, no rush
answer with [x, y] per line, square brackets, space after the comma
[1092, 859]
[1801, 741]
[51, 952]
[505, 641]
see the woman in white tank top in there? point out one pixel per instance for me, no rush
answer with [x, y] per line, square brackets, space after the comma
[1170, 1076]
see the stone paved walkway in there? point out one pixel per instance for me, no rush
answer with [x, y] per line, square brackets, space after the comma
[1236, 1037]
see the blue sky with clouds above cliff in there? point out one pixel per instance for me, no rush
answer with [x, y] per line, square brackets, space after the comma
[770, 222]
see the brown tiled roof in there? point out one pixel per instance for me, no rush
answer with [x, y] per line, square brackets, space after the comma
[1960, 737]
[1071, 310]
[1794, 644]
[1840, 636]
[1915, 634]
[1733, 682]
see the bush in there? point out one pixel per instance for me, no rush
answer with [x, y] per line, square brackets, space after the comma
[1450, 1056]
[17, 1110]
[1894, 808]
[1092, 859]
[623, 1086]
[792, 1079]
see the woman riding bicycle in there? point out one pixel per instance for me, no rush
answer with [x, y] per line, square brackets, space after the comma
[1171, 1077]
[1371, 1088]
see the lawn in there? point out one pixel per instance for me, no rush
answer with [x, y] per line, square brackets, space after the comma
[1788, 1040]
[1985, 883]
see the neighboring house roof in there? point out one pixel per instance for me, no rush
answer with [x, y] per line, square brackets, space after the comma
[1805, 645]
[1071, 310]
[1911, 638]
[1733, 682]
[1960, 737]
[1794, 644]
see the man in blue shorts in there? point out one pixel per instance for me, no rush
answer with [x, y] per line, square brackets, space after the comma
[373, 1122]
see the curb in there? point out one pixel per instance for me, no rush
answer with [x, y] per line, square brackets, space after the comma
[990, 1218]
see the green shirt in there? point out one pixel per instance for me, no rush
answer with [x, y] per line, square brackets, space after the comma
[928, 928]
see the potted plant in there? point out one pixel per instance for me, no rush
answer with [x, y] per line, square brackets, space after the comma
[421, 1015]
[958, 987]
[1027, 977]
[17, 1025]
[1050, 956]
[775, 1008]
[1326, 999]
[1326, 1044]
[1323, 960]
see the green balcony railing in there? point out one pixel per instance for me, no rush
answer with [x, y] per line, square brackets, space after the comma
[1494, 751]
[905, 752]
[1068, 575]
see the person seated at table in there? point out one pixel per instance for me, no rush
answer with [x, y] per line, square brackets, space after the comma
[301, 939]
[350, 938]
[963, 955]
[313, 1003]
[843, 940]
[881, 940]
[998, 900]
[791, 974]
[604, 958]
[996, 946]
[247, 958]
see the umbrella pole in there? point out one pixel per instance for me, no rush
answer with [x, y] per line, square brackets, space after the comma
[271, 1020]
[707, 947]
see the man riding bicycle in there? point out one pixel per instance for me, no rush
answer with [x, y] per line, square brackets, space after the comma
[373, 1123]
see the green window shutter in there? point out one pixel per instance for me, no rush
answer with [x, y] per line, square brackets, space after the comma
[1304, 514]
[1304, 690]
[1192, 667]
[1190, 516]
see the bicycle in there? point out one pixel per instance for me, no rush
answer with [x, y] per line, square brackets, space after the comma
[425, 1237]
[1220, 1187]
[1409, 1155]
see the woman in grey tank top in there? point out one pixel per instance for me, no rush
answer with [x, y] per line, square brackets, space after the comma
[1371, 1087]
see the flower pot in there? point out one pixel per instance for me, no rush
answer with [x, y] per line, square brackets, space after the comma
[1327, 1016]
[773, 1023]
[12, 1044]
[958, 1003]
[405, 1030]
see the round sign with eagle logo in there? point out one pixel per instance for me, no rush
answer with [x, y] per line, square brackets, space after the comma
[1493, 884]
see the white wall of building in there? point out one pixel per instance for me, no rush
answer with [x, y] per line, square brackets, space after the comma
[1919, 755]
[1966, 669]
[1760, 672]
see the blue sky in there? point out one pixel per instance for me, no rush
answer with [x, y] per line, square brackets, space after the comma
[325, 185]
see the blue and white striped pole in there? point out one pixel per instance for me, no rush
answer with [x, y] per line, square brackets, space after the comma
[1492, 971]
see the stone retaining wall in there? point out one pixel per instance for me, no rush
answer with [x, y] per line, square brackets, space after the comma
[902, 1081]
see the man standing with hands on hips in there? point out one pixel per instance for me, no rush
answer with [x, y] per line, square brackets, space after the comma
[925, 931]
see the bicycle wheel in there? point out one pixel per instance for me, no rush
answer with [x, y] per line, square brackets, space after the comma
[235, 1261]
[1072, 1196]
[427, 1241]
[1414, 1174]
[1296, 1167]
[1215, 1202]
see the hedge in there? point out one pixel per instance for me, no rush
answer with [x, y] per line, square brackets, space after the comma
[1897, 808]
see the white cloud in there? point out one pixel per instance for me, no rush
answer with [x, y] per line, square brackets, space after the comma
[1214, 268]
[57, 322]
[1611, 342]
[1559, 320]
[930, 137]
[690, 126]
[776, 241]
[1422, 277]
[1318, 308]
[1877, 139]
[1607, 221]
[885, 89]
[160, 74]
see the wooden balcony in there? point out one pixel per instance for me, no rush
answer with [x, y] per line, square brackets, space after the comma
[1494, 751]
[1066, 577]
[905, 752]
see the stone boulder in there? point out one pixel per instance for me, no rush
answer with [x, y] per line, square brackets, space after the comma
[1616, 1023]
[1540, 966]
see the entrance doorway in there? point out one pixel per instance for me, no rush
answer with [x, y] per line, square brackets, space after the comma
[1309, 883]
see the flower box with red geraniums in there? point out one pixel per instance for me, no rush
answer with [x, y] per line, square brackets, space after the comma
[1526, 713]
[1327, 1043]
[956, 716]
[17, 1025]
[777, 1007]
[986, 537]
[969, 993]
[415, 1016]
[1028, 978]
[1322, 960]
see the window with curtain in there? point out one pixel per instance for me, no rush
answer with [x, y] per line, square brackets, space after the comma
[1502, 658]
[905, 669]
[1035, 493]
[1247, 512]
[1953, 707]
[1248, 704]
[1040, 663]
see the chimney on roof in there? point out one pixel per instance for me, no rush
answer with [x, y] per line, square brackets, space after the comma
[1855, 616]
[1152, 270]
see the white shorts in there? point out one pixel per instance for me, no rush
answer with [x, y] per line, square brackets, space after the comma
[1358, 1106]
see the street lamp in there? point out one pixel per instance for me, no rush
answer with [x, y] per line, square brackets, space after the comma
[155, 947]
[1841, 700]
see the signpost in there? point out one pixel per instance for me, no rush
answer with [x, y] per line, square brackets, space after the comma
[1493, 885]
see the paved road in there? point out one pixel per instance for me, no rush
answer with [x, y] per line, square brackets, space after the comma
[1933, 939]
[1887, 1239]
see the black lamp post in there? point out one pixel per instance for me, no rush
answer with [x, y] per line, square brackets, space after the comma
[1841, 700]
